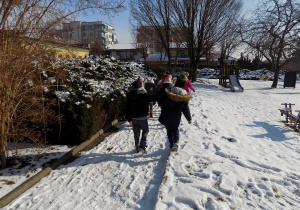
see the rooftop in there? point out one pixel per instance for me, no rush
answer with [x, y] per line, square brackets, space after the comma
[128, 46]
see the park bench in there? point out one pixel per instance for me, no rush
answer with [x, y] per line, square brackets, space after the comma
[290, 119]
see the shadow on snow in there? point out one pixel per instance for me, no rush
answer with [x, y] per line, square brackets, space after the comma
[273, 132]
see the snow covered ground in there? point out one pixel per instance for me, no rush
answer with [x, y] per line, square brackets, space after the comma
[237, 154]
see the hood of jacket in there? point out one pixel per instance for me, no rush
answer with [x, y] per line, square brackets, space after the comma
[178, 95]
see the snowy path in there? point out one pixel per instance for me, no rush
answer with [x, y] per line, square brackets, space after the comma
[237, 154]
[111, 176]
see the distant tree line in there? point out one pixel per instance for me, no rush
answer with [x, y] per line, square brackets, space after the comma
[244, 62]
[199, 24]
[271, 33]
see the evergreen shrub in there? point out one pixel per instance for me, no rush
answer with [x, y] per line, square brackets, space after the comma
[91, 96]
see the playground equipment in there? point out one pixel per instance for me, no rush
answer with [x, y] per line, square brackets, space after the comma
[291, 120]
[235, 83]
[230, 75]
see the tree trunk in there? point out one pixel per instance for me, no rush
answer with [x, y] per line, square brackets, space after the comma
[194, 71]
[3, 137]
[275, 81]
[3, 159]
[275, 67]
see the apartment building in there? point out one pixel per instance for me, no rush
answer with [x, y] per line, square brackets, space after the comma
[89, 33]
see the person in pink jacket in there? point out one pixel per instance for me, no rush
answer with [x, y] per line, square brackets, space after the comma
[188, 84]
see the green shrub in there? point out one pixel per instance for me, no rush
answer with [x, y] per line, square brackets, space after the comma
[88, 97]
[80, 122]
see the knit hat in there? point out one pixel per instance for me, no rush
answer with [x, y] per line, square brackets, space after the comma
[168, 79]
[182, 76]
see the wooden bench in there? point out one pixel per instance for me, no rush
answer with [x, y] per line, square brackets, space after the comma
[286, 111]
[297, 121]
[292, 120]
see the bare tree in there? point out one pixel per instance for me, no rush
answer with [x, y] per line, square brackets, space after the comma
[24, 25]
[204, 23]
[273, 32]
[295, 48]
[143, 48]
[153, 18]
[231, 41]
[97, 48]
[142, 40]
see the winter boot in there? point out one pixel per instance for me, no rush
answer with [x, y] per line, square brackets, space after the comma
[175, 146]
[143, 149]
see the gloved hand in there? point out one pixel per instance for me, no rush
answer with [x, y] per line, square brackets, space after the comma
[190, 122]
[130, 123]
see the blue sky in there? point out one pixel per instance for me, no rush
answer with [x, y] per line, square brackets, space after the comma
[120, 22]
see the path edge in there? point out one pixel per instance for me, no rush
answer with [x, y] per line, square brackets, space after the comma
[9, 197]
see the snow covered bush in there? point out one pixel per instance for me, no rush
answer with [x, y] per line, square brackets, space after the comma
[25, 29]
[81, 120]
[90, 95]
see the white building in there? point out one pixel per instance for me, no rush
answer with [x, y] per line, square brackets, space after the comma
[72, 32]
[89, 33]
[126, 52]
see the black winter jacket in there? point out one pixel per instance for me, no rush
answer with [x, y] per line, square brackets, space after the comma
[170, 110]
[151, 88]
[137, 104]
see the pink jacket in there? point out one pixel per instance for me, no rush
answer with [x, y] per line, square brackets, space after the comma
[188, 85]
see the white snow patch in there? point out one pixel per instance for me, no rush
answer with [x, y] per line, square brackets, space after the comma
[237, 154]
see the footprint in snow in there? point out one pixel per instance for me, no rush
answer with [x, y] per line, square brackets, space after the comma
[205, 145]
[233, 140]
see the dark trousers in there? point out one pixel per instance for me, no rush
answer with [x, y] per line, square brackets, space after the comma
[139, 125]
[173, 135]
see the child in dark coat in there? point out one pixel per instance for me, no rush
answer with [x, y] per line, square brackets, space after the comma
[137, 111]
[172, 107]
